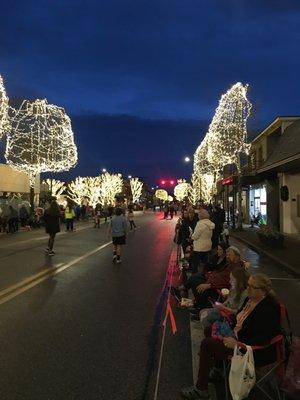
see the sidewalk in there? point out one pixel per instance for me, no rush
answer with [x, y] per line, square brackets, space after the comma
[288, 257]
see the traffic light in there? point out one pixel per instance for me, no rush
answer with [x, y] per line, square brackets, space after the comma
[167, 182]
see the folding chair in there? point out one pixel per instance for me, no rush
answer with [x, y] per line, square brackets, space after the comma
[280, 344]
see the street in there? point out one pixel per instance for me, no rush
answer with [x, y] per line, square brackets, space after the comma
[77, 326]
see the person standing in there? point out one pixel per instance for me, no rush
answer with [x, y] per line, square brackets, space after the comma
[130, 218]
[202, 240]
[52, 225]
[118, 227]
[24, 215]
[69, 216]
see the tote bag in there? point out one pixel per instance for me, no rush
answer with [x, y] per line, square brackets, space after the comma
[242, 374]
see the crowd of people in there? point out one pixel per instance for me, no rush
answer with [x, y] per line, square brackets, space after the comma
[232, 305]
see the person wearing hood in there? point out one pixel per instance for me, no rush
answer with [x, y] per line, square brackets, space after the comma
[202, 240]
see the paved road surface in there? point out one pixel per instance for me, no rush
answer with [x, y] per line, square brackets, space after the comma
[93, 330]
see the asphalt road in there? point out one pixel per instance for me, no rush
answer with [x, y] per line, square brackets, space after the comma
[77, 326]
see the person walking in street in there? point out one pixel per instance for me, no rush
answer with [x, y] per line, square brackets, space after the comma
[130, 218]
[202, 240]
[24, 216]
[118, 228]
[52, 225]
[69, 216]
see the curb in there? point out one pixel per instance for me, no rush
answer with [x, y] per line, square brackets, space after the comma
[259, 250]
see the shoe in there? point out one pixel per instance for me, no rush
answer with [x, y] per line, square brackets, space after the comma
[192, 393]
[119, 261]
[51, 253]
[114, 258]
[47, 250]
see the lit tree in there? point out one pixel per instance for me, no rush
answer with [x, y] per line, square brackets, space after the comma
[227, 132]
[40, 140]
[4, 121]
[136, 189]
[56, 187]
[77, 190]
[111, 185]
[93, 185]
[181, 190]
[161, 194]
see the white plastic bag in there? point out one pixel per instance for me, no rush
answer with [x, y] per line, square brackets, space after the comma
[242, 374]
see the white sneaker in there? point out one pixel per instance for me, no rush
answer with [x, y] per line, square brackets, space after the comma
[119, 261]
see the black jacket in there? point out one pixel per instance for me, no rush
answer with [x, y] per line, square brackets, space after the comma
[51, 223]
[261, 325]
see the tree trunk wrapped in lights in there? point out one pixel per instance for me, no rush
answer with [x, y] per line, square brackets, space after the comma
[195, 189]
[55, 187]
[136, 189]
[40, 140]
[181, 190]
[4, 121]
[111, 185]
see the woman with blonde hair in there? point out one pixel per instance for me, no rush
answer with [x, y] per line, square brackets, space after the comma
[257, 323]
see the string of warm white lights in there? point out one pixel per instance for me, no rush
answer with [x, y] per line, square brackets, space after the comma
[4, 121]
[77, 190]
[55, 186]
[181, 190]
[195, 189]
[111, 185]
[136, 189]
[41, 139]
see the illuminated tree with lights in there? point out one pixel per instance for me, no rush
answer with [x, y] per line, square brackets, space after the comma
[40, 140]
[136, 189]
[77, 190]
[55, 186]
[195, 189]
[161, 194]
[93, 185]
[181, 190]
[111, 185]
[227, 132]
[4, 121]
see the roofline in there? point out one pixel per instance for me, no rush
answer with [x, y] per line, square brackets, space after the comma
[276, 121]
[279, 163]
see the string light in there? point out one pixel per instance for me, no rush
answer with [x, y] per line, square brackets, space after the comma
[77, 190]
[111, 185]
[195, 189]
[40, 140]
[136, 189]
[4, 121]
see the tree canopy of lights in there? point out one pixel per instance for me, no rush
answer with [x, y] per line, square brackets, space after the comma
[111, 185]
[181, 190]
[225, 139]
[77, 190]
[55, 186]
[93, 185]
[136, 189]
[161, 194]
[227, 133]
[40, 139]
[4, 121]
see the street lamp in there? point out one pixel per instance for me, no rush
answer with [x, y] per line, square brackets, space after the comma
[129, 176]
[187, 159]
[103, 170]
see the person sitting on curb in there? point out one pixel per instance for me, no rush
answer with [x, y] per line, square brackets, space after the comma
[257, 322]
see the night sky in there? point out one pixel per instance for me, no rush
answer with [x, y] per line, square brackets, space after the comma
[141, 79]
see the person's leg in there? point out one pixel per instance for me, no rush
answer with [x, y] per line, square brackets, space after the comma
[115, 252]
[67, 224]
[133, 223]
[195, 261]
[71, 224]
[119, 250]
[210, 349]
[51, 241]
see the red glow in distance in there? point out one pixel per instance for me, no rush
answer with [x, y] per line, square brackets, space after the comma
[163, 182]
[172, 182]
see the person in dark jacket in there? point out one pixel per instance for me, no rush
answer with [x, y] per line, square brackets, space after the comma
[51, 217]
[257, 323]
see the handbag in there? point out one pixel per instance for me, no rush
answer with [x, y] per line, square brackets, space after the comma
[242, 373]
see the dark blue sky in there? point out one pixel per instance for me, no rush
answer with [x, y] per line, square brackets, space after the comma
[141, 79]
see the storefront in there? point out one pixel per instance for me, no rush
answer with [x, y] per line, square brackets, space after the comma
[258, 201]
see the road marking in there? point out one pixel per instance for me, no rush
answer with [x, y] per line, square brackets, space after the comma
[28, 283]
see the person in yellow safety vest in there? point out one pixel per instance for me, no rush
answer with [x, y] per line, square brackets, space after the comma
[69, 216]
